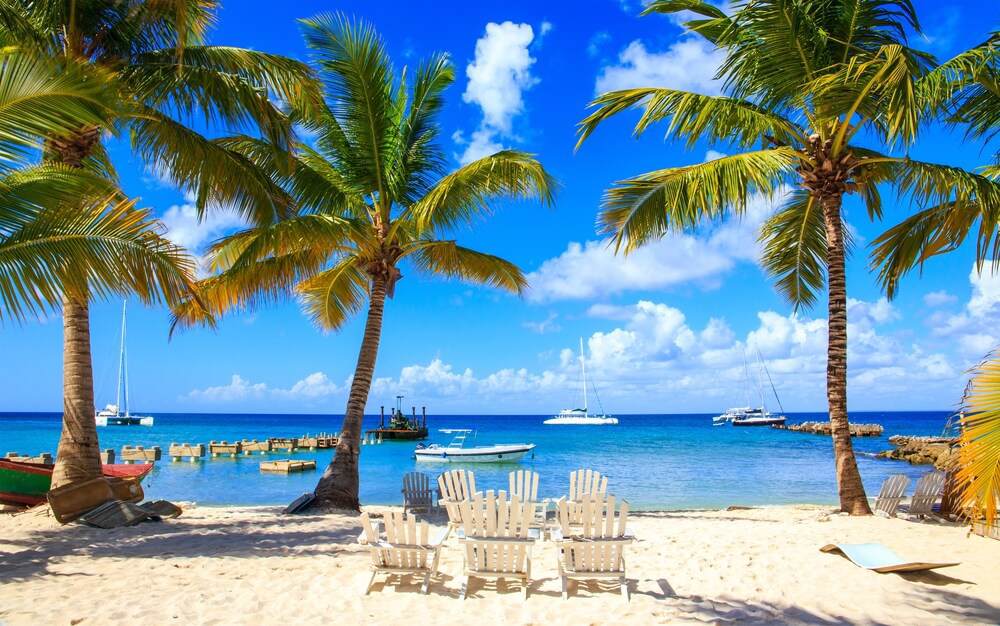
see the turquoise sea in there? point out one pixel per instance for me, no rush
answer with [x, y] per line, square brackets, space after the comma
[654, 461]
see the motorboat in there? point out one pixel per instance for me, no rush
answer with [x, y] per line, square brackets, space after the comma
[457, 452]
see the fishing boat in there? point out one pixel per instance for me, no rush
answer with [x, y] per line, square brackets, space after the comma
[581, 417]
[748, 415]
[400, 427]
[25, 484]
[456, 452]
[111, 414]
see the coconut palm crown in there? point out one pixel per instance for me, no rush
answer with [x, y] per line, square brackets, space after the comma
[803, 82]
[372, 195]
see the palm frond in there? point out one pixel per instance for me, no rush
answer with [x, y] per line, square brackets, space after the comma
[469, 192]
[693, 117]
[28, 191]
[445, 258]
[794, 249]
[331, 297]
[642, 209]
[979, 451]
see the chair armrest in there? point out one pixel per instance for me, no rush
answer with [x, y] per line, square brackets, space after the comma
[441, 536]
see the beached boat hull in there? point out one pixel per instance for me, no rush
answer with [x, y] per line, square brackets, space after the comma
[485, 454]
[27, 483]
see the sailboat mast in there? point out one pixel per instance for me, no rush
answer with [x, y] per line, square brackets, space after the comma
[746, 370]
[121, 366]
[583, 367]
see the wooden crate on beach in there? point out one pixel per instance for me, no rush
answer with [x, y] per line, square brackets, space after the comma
[280, 443]
[232, 449]
[139, 454]
[194, 451]
[287, 466]
[252, 445]
[44, 458]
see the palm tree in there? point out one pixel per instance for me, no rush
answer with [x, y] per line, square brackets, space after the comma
[148, 60]
[802, 83]
[371, 196]
[978, 475]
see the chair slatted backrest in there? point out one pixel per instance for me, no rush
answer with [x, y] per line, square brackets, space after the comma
[406, 542]
[891, 494]
[599, 546]
[929, 488]
[524, 485]
[497, 536]
[586, 482]
[417, 491]
[457, 485]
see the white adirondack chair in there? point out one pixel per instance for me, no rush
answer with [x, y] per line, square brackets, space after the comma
[586, 483]
[597, 550]
[417, 492]
[891, 494]
[455, 486]
[405, 549]
[929, 489]
[524, 485]
[498, 539]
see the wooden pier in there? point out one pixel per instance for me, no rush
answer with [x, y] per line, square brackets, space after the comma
[44, 458]
[287, 466]
[282, 443]
[139, 454]
[194, 452]
[824, 428]
[321, 441]
[231, 449]
[252, 445]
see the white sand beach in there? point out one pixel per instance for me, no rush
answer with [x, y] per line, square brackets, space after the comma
[252, 566]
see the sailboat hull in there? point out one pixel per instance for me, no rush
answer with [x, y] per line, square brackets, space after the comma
[760, 421]
[124, 420]
[580, 421]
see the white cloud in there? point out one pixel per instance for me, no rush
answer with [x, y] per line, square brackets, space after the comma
[976, 329]
[939, 298]
[593, 270]
[499, 73]
[547, 325]
[690, 64]
[316, 386]
[186, 230]
[596, 41]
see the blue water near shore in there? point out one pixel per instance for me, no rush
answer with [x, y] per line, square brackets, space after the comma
[655, 461]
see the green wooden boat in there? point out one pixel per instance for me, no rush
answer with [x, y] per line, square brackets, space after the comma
[25, 484]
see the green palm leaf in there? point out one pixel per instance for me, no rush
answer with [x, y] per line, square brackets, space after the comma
[979, 451]
[445, 258]
[334, 295]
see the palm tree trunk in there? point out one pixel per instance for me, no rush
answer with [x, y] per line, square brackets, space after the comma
[852, 492]
[78, 456]
[338, 487]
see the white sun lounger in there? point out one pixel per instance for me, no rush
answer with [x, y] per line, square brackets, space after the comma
[926, 494]
[407, 547]
[877, 557]
[891, 494]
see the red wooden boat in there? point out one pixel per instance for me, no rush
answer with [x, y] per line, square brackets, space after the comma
[25, 484]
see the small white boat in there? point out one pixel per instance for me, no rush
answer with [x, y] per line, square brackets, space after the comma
[747, 415]
[111, 414]
[580, 417]
[456, 452]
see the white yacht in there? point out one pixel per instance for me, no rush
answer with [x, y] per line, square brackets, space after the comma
[111, 414]
[748, 415]
[456, 452]
[580, 417]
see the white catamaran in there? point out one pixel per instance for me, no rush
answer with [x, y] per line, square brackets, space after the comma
[748, 415]
[456, 452]
[111, 415]
[581, 416]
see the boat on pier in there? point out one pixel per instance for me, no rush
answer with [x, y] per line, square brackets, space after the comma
[400, 427]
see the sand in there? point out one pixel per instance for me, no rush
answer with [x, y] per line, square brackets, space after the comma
[254, 566]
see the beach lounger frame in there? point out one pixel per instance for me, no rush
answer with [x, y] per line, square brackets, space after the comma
[597, 550]
[929, 489]
[879, 558]
[418, 492]
[407, 548]
[497, 541]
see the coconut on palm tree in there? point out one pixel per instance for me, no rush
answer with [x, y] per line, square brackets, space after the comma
[373, 195]
[148, 61]
[803, 84]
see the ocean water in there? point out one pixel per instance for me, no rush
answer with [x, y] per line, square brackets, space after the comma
[660, 462]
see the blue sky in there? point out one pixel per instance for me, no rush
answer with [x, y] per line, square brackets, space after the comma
[665, 329]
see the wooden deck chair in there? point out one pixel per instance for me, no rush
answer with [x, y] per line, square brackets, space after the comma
[455, 486]
[524, 485]
[497, 539]
[405, 548]
[929, 489]
[417, 492]
[891, 494]
[597, 550]
[586, 483]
